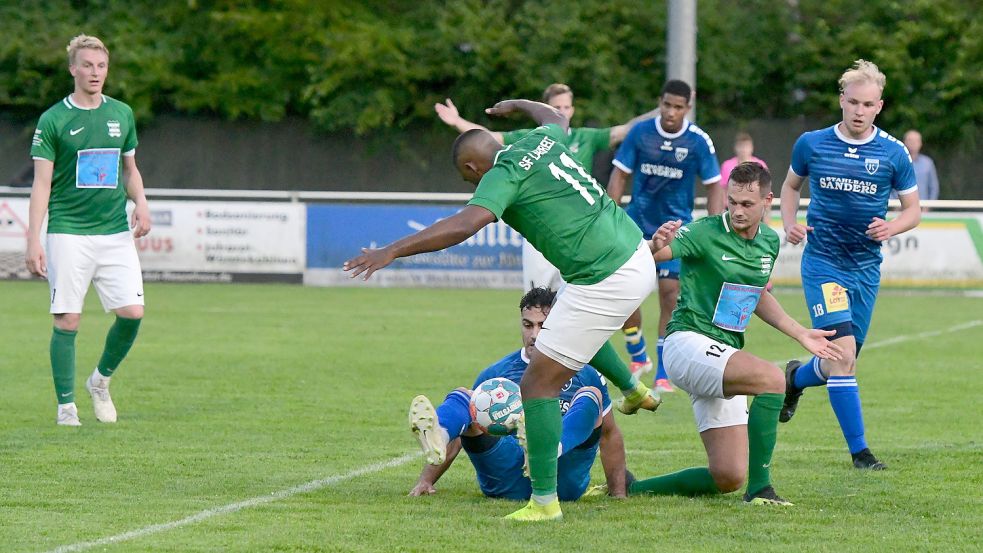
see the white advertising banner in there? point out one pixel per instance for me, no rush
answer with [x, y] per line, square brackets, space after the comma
[196, 241]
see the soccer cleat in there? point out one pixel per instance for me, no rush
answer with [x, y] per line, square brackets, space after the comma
[766, 496]
[792, 394]
[520, 436]
[534, 512]
[423, 424]
[601, 490]
[641, 398]
[639, 368]
[864, 459]
[98, 387]
[663, 385]
[68, 415]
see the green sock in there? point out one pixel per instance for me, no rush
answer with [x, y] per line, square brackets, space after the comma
[118, 342]
[543, 426]
[608, 363]
[63, 364]
[762, 433]
[691, 481]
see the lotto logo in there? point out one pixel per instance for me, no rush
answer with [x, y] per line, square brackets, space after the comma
[835, 297]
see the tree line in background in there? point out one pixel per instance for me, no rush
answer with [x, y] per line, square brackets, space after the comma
[371, 67]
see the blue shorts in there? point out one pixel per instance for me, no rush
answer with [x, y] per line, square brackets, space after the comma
[669, 269]
[499, 471]
[835, 296]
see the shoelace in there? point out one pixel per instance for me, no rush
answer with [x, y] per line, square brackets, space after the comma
[101, 393]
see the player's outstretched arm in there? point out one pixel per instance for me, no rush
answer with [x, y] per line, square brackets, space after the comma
[812, 339]
[795, 232]
[432, 473]
[449, 115]
[40, 196]
[616, 184]
[541, 113]
[444, 233]
[619, 132]
[662, 238]
[612, 450]
[911, 214]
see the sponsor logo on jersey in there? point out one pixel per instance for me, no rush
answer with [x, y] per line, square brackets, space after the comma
[681, 153]
[726, 257]
[848, 185]
[666, 146]
[114, 130]
[851, 153]
[871, 165]
[74, 132]
[661, 171]
[545, 145]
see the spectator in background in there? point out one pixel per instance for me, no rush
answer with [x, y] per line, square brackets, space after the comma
[744, 148]
[925, 176]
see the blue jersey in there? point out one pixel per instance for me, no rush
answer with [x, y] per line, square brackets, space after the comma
[664, 168]
[850, 182]
[512, 367]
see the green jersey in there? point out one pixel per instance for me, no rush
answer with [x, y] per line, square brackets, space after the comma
[86, 147]
[539, 189]
[583, 142]
[722, 278]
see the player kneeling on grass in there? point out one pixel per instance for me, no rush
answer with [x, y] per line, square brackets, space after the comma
[588, 426]
[726, 262]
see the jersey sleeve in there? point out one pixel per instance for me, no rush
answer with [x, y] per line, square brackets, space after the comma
[511, 137]
[627, 153]
[496, 191]
[130, 143]
[709, 167]
[801, 153]
[600, 139]
[903, 180]
[687, 242]
[43, 145]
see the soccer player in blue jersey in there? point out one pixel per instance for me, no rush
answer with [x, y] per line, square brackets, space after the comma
[664, 156]
[852, 167]
[588, 426]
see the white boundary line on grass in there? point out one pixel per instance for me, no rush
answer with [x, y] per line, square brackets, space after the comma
[919, 336]
[238, 506]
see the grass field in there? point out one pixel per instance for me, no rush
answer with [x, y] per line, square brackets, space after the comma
[237, 397]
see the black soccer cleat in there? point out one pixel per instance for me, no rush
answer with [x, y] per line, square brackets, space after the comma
[792, 394]
[865, 460]
[766, 496]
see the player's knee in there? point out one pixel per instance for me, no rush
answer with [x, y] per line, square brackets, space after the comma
[68, 321]
[728, 478]
[847, 366]
[130, 312]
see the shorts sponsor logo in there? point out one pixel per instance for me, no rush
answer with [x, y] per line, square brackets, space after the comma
[835, 297]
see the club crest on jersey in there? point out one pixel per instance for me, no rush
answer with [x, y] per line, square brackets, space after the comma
[681, 153]
[114, 130]
[871, 165]
[851, 153]
[766, 264]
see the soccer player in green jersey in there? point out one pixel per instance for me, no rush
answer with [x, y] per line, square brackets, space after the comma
[540, 190]
[83, 149]
[726, 262]
[584, 143]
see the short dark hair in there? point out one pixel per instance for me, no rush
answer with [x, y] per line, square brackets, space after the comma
[677, 88]
[540, 296]
[464, 138]
[748, 173]
[555, 89]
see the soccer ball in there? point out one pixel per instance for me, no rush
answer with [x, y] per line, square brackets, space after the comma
[496, 406]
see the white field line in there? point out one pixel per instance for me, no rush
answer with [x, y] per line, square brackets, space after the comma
[919, 336]
[233, 507]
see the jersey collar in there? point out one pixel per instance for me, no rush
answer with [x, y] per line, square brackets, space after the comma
[677, 134]
[70, 103]
[726, 220]
[523, 356]
[873, 134]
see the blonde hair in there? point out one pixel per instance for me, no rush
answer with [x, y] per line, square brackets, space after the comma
[84, 41]
[863, 71]
[556, 89]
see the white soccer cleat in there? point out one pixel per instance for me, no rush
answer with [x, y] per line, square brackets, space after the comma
[68, 415]
[424, 425]
[98, 387]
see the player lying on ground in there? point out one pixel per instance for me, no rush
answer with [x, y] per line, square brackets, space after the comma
[537, 187]
[588, 426]
[726, 262]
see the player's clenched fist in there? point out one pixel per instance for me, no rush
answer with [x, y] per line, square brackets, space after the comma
[795, 234]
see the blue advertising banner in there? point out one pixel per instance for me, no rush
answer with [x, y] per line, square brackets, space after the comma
[336, 232]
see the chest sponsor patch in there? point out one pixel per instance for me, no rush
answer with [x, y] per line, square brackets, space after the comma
[835, 297]
[735, 306]
[97, 168]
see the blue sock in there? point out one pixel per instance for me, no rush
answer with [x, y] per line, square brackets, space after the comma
[660, 372]
[635, 344]
[809, 375]
[844, 397]
[454, 414]
[579, 421]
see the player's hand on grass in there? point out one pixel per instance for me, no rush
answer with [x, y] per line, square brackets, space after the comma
[665, 235]
[879, 230]
[140, 221]
[35, 260]
[816, 341]
[369, 262]
[422, 488]
[447, 112]
[795, 234]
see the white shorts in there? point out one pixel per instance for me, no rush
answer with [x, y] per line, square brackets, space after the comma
[536, 271]
[696, 364]
[585, 316]
[109, 261]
